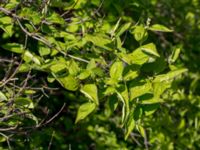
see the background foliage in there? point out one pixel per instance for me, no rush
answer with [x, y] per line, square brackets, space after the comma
[97, 74]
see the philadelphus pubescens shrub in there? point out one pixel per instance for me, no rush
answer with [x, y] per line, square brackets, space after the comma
[89, 56]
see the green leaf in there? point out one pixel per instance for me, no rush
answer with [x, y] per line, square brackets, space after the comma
[175, 54]
[29, 57]
[91, 64]
[90, 91]
[73, 68]
[6, 20]
[170, 75]
[55, 18]
[84, 110]
[122, 93]
[31, 14]
[99, 40]
[8, 29]
[122, 29]
[139, 89]
[150, 109]
[68, 82]
[150, 49]
[83, 75]
[2, 97]
[131, 75]
[44, 51]
[161, 28]
[159, 88]
[141, 130]
[14, 47]
[58, 67]
[109, 91]
[24, 68]
[137, 57]
[116, 70]
[24, 102]
[140, 33]
[129, 125]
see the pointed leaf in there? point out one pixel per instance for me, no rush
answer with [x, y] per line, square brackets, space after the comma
[150, 49]
[175, 54]
[90, 91]
[84, 110]
[170, 75]
[130, 124]
[122, 29]
[161, 28]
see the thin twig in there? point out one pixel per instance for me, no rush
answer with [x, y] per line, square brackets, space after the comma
[7, 139]
[9, 116]
[38, 37]
[50, 143]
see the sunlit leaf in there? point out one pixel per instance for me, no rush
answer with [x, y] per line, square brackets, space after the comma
[161, 28]
[150, 49]
[170, 75]
[116, 70]
[90, 91]
[139, 89]
[84, 110]
[68, 82]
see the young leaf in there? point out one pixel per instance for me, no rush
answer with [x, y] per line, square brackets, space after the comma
[84, 110]
[116, 70]
[161, 28]
[90, 91]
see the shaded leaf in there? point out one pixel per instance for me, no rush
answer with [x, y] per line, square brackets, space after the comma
[2, 97]
[14, 47]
